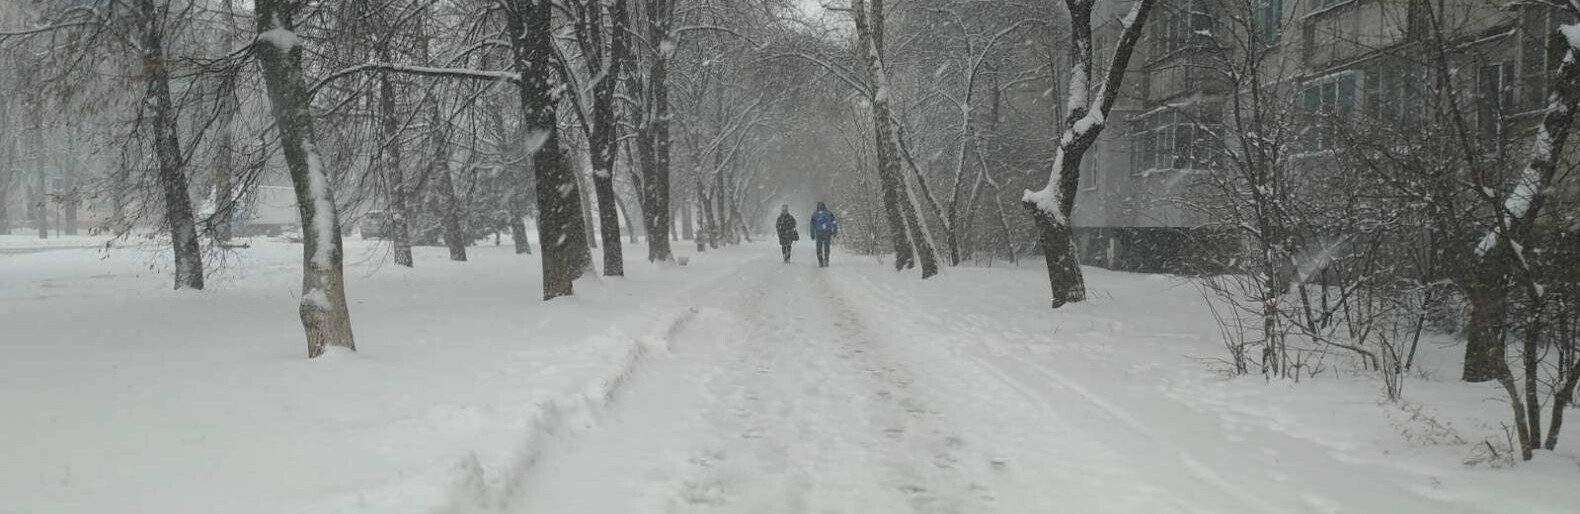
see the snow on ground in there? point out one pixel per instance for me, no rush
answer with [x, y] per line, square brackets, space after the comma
[21, 241]
[735, 384]
[856, 389]
[120, 395]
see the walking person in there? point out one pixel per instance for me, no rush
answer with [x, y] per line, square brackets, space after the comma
[788, 234]
[824, 227]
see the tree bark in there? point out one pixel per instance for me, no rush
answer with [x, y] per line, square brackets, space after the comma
[172, 180]
[559, 198]
[1484, 331]
[325, 316]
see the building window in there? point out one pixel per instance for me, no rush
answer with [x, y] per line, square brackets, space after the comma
[1308, 41]
[1175, 29]
[1392, 92]
[1330, 95]
[1164, 141]
[1418, 23]
[1495, 94]
[1089, 172]
[1269, 21]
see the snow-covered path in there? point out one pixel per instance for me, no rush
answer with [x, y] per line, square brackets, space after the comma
[784, 394]
[775, 398]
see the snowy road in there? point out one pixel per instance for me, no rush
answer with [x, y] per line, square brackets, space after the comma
[780, 396]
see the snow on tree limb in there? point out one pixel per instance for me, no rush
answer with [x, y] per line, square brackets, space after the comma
[459, 73]
[1087, 120]
[1524, 203]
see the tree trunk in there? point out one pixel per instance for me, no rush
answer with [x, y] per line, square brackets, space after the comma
[630, 223]
[1484, 346]
[224, 181]
[609, 226]
[656, 151]
[603, 144]
[926, 250]
[325, 317]
[517, 182]
[723, 233]
[869, 28]
[559, 197]
[398, 227]
[518, 233]
[40, 201]
[70, 198]
[172, 181]
[1058, 248]
[7, 163]
[701, 203]
[1561, 403]
[450, 211]
[686, 223]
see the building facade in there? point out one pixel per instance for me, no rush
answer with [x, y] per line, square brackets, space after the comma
[1360, 58]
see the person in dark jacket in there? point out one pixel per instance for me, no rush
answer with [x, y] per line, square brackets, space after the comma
[824, 227]
[787, 233]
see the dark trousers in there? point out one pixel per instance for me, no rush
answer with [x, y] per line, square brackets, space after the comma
[823, 243]
[784, 246]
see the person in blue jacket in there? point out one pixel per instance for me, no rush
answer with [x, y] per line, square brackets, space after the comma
[824, 227]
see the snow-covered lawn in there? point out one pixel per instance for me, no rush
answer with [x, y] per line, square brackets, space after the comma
[21, 241]
[734, 384]
[121, 395]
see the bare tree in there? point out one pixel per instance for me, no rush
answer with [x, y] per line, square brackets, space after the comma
[1052, 206]
[899, 202]
[144, 27]
[602, 37]
[652, 118]
[325, 316]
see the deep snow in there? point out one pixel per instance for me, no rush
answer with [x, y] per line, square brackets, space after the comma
[734, 384]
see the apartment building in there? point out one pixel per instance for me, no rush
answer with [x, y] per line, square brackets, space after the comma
[1359, 57]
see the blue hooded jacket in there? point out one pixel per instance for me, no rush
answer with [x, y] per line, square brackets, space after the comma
[823, 222]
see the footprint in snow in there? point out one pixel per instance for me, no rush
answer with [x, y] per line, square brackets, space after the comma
[704, 493]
